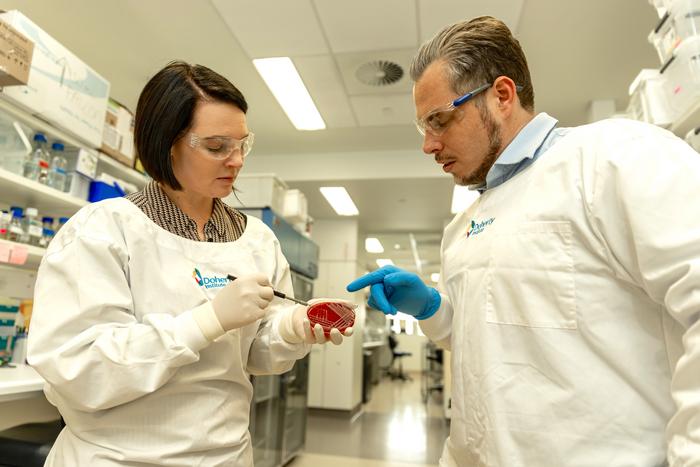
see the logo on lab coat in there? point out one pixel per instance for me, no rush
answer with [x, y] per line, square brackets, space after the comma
[477, 227]
[208, 282]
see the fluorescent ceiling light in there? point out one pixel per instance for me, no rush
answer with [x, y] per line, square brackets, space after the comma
[384, 262]
[340, 200]
[373, 245]
[435, 277]
[462, 198]
[286, 85]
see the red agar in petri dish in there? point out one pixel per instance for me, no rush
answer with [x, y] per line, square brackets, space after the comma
[331, 314]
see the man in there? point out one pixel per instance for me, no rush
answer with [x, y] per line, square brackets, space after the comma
[571, 287]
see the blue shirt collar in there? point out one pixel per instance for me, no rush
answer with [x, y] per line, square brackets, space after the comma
[521, 152]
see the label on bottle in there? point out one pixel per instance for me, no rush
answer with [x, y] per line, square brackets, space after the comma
[35, 231]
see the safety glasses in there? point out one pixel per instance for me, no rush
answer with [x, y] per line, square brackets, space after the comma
[438, 120]
[221, 147]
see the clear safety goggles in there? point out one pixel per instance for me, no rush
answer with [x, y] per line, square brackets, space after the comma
[221, 147]
[438, 120]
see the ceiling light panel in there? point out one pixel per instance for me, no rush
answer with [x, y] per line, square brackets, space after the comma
[340, 200]
[373, 245]
[292, 30]
[283, 80]
[320, 75]
[362, 24]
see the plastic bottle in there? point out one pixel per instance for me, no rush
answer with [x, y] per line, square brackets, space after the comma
[33, 226]
[37, 160]
[24, 238]
[47, 231]
[15, 231]
[61, 222]
[57, 171]
[46, 238]
[19, 350]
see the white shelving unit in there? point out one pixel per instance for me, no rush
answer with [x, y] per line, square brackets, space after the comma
[16, 190]
[34, 254]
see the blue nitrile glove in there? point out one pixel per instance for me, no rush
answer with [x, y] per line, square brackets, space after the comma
[393, 289]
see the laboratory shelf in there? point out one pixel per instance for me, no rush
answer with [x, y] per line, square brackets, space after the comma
[16, 190]
[34, 254]
[122, 171]
[19, 382]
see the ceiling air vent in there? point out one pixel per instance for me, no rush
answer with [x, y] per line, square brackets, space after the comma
[379, 73]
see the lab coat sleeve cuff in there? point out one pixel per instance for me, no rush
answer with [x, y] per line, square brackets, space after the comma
[439, 326]
[285, 327]
[207, 322]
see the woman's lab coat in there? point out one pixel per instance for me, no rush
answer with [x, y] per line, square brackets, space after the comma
[572, 296]
[125, 362]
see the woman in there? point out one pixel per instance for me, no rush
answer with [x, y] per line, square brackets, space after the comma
[146, 348]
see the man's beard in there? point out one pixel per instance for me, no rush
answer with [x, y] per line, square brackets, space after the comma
[478, 176]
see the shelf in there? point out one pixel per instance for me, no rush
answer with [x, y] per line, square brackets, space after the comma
[34, 254]
[122, 171]
[688, 121]
[19, 382]
[19, 191]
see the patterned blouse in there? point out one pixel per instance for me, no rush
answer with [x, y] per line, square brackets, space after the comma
[226, 224]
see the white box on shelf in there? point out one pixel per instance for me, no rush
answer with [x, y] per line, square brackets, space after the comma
[258, 191]
[648, 100]
[79, 185]
[62, 88]
[681, 22]
[682, 78]
[295, 207]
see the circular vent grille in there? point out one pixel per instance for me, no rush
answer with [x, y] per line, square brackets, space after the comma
[379, 73]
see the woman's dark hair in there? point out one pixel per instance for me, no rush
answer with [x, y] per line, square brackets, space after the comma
[165, 110]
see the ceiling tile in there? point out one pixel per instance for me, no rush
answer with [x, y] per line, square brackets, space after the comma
[321, 78]
[293, 29]
[433, 15]
[368, 24]
[383, 110]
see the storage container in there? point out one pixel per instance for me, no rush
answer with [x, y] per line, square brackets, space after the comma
[262, 190]
[295, 206]
[648, 100]
[682, 78]
[681, 22]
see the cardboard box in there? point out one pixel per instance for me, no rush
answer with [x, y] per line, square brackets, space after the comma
[16, 52]
[118, 133]
[61, 89]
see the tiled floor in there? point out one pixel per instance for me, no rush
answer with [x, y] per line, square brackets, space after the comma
[395, 429]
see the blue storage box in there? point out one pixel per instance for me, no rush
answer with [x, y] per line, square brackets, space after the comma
[101, 190]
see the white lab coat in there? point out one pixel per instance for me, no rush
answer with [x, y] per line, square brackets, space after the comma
[124, 360]
[568, 307]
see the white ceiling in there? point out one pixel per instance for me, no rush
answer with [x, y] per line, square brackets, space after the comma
[578, 51]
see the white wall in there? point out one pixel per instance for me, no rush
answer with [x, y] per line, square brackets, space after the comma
[335, 373]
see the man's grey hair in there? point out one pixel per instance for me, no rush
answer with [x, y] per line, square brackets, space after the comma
[476, 52]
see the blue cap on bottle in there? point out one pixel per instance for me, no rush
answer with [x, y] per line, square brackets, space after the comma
[47, 219]
[40, 137]
[16, 211]
[57, 146]
[63, 220]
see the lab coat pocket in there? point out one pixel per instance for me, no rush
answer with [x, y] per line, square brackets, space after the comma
[531, 279]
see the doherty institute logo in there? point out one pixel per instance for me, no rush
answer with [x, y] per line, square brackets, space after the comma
[477, 227]
[208, 282]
